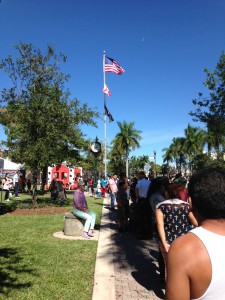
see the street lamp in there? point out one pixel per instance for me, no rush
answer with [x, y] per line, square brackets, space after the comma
[155, 161]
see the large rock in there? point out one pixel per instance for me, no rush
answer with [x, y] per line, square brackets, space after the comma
[73, 225]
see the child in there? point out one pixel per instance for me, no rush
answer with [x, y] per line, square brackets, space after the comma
[98, 192]
[7, 184]
[123, 206]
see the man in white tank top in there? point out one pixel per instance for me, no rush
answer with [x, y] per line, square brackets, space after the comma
[196, 261]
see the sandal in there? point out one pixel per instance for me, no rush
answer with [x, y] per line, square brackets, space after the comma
[86, 236]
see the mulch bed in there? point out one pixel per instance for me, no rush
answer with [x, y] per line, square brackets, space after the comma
[39, 211]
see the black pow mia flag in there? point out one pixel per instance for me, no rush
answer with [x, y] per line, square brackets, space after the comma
[107, 113]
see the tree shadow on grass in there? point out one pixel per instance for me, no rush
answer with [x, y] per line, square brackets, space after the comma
[11, 268]
[4, 209]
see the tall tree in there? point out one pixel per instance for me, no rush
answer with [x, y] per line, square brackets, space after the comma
[175, 152]
[116, 163]
[142, 161]
[168, 155]
[195, 139]
[138, 163]
[41, 122]
[211, 109]
[127, 139]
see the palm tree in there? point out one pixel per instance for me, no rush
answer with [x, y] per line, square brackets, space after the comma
[215, 137]
[133, 165]
[168, 156]
[175, 152]
[116, 161]
[194, 142]
[127, 139]
[142, 160]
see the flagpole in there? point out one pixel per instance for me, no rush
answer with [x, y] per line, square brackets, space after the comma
[105, 140]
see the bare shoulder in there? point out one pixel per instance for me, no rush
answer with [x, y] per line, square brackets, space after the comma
[188, 264]
[184, 241]
[188, 254]
[187, 250]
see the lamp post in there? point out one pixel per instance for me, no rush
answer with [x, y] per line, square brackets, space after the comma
[155, 161]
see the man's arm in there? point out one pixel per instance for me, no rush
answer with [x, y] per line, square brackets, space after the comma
[178, 281]
[109, 185]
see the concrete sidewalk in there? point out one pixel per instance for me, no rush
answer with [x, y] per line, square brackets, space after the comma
[126, 268]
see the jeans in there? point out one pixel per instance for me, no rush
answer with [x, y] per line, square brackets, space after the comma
[6, 194]
[88, 217]
[113, 198]
[16, 189]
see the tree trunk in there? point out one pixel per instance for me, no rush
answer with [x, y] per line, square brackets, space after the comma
[43, 179]
[127, 167]
[34, 190]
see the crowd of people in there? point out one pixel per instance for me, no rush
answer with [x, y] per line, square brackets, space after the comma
[137, 198]
[187, 216]
[16, 183]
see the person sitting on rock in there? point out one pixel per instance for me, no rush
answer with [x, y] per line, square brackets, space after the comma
[81, 210]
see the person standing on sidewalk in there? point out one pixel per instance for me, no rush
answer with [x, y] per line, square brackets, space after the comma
[144, 210]
[123, 206]
[173, 219]
[81, 211]
[104, 184]
[112, 191]
[196, 262]
[16, 184]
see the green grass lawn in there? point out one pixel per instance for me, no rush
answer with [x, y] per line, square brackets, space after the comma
[35, 265]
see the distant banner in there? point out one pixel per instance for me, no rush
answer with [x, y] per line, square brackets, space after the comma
[10, 172]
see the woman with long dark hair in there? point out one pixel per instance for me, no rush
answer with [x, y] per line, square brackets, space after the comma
[173, 218]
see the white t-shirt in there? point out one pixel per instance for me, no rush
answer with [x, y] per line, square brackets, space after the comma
[143, 187]
[15, 178]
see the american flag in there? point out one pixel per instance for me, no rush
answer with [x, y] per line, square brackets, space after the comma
[112, 66]
[106, 90]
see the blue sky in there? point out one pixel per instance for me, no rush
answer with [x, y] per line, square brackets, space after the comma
[163, 46]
